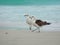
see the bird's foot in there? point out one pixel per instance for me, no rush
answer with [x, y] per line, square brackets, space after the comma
[32, 30]
[38, 31]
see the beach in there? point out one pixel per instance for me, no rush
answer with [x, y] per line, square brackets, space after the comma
[15, 31]
[26, 37]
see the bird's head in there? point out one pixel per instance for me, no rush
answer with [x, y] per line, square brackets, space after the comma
[33, 18]
[26, 15]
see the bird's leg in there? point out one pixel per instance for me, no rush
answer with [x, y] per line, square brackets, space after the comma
[30, 28]
[34, 30]
[38, 29]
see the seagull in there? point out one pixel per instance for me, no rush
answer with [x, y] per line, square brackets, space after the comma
[32, 21]
[28, 20]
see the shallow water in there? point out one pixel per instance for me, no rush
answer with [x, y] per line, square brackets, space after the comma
[12, 17]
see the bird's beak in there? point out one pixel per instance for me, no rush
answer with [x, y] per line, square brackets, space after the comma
[25, 15]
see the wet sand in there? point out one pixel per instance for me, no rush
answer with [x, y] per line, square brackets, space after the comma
[25, 37]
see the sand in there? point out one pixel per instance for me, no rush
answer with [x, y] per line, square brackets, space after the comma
[25, 37]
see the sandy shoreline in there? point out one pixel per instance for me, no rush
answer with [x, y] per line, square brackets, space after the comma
[25, 37]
